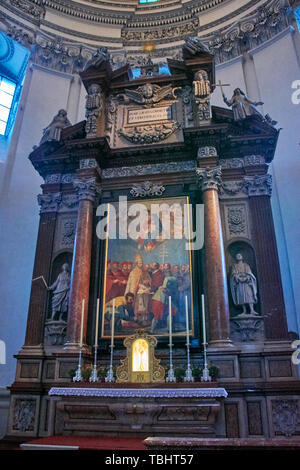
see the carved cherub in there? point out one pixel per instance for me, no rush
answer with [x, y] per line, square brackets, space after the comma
[148, 94]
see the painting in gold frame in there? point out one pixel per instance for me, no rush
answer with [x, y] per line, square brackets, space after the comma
[140, 275]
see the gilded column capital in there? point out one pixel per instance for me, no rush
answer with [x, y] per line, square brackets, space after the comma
[209, 178]
[87, 188]
[258, 185]
[49, 202]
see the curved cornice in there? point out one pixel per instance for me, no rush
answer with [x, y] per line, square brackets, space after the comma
[183, 12]
[164, 11]
[69, 55]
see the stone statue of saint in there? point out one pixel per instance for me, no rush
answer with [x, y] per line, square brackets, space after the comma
[53, 131]
[243, 285]
[201, 85]
[202, 92]
[93, 107]
[61, 290]
[242, 107]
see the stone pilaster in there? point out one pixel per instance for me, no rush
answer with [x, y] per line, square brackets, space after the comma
[87, 188]
[49, 203]
[216, 286]
[259, 189]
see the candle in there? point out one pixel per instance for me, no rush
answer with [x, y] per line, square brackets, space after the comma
[187, 320]
[170, 319]
[113, 323]
[81, 328]
[203, 319]
[97, 323]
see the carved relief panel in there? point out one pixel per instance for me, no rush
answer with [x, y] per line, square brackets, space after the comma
[23, 417]
[147, 115]
[236, 220]
[65, 232]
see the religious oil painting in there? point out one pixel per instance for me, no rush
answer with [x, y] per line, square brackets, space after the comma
[142, 272]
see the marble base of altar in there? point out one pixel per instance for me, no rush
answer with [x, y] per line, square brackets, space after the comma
[195, 444]
[137, 412]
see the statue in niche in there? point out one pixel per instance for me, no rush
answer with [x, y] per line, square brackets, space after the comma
[202, 92]
[243, 285]
[93, 107]
[61, 290]
[242, 107]
[53, 131]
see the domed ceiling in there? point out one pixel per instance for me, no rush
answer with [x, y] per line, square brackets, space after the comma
[74, 28]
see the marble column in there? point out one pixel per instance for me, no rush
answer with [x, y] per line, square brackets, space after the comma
[215, 269]
[49, 203]
[87, 189]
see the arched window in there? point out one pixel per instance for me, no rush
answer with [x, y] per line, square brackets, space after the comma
[13, 63]
[297, 16]
[7, 94]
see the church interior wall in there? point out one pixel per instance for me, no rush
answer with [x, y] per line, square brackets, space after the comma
[48, 92]
[277, 95]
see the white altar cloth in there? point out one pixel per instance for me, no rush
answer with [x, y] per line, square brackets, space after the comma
[139, 393]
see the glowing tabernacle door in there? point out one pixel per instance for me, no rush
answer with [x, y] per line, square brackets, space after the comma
[140, 356]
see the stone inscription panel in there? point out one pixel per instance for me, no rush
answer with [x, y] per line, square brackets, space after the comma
[135, 116]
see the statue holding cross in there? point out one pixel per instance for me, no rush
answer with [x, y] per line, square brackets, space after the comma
[241, 105]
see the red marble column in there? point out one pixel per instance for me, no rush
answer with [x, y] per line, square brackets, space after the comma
[42, 265]
[215, 268]
[80, 279]
[269, 277]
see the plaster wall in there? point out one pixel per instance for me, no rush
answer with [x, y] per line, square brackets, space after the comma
[19, 213]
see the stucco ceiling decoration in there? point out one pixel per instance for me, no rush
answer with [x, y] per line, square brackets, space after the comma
[125, 33]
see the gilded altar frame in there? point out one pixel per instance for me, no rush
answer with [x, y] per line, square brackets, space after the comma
[105, 333]
[145, 369]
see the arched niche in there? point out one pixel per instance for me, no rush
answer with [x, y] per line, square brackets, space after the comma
[246, 249]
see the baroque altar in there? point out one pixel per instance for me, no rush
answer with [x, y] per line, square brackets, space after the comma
[138, 411]
[154, 138]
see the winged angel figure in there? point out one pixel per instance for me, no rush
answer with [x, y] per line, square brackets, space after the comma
[148, 94]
